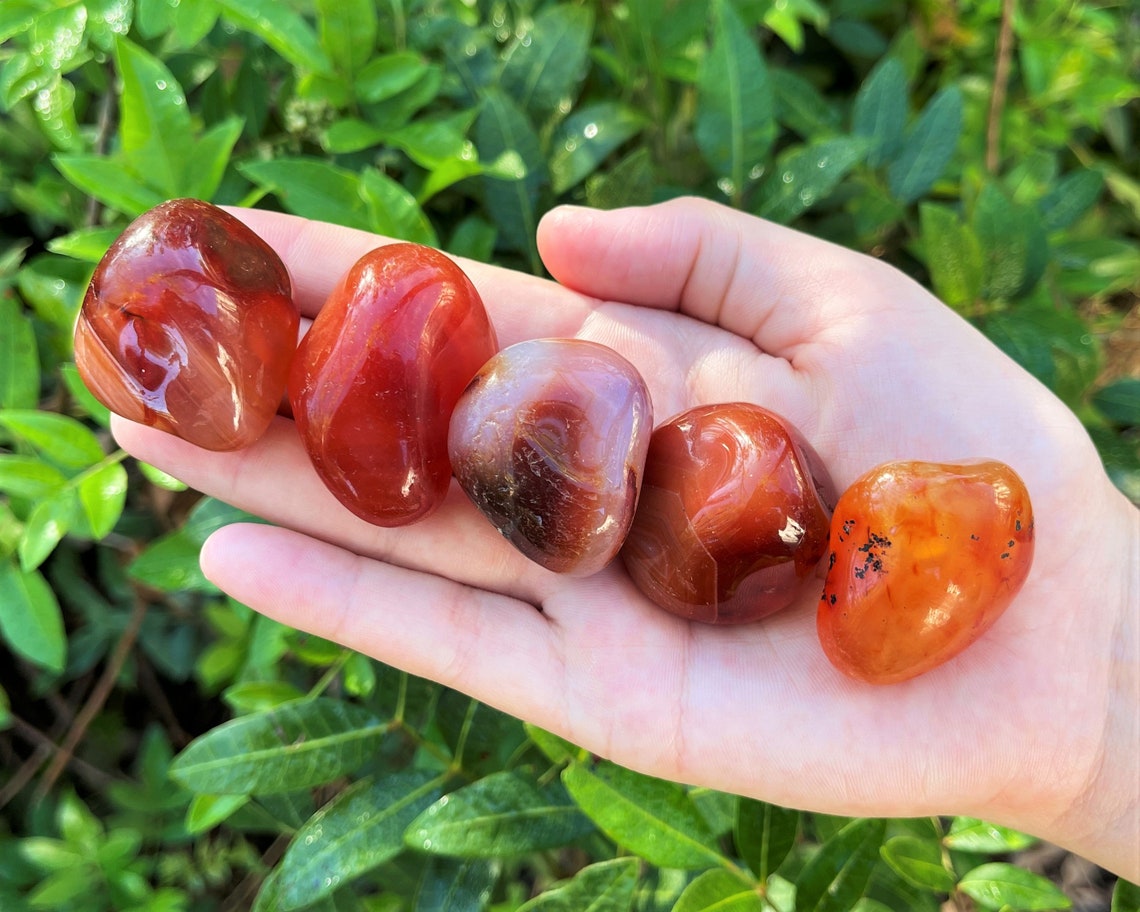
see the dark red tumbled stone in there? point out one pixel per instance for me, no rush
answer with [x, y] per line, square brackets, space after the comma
[189, 326]
[734, 515]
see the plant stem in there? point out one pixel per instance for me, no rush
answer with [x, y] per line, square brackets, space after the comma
[96, 700]
[1001, 84]
[329, 676]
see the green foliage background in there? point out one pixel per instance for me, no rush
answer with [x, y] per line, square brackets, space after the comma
[166, 749]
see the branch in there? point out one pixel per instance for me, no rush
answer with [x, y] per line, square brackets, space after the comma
[99, 695]
[1001, 85]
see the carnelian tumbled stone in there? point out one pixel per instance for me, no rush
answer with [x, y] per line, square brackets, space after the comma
[189, 325]
[733, 517]
[378, 374]
[549, 442]
[925, 557]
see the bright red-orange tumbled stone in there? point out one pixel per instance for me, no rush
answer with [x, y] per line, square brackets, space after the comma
[189, 326]
[733, 515]
[549, 441]
[377, 376]
[925, 557]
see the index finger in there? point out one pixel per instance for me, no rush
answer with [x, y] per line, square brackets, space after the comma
[318, 254]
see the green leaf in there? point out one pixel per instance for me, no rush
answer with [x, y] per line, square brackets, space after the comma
[968, 834]
[50, 520]
[193, 22]
[1071, 197]
[258, 696]
[557, 750]
[31, 621]
[54, 106]
[448, 173]
[453, 885]
[86, 244]
[57, 41]
[998, 885]
[108, 20]
[857, 38]
[393, 211]
[501, 814]
[347, 30]
[351, 134]
[880, 110]
[359, 676]
[313, 189]
[63, 441]
[546, 62]
[765, 834]
[282, 29]
[586, 138]
[718, 809]
[953, 255]
[929, 145]
[54, 287]
[389, 75]
[59, 889]
[28, 477]
[1014, 248]
[918, 861]
[161, 479]
[102, 495]
[652, 818]
[805, 175]
[109, 181]
[606, 886]
[207, 811]
[719, 890]
[1119, 402]
[433, 141]
[293, 746]
[207, 164]
[17, 16]
[502, 129]
[473, 238]
[800, 106]
[19, 361]
[154, 122]
[735, 124]
[628, 183]
[82, 398]
[209, 515]
[838, 874]
[357, 831]
[170, 564]
[1125, 897]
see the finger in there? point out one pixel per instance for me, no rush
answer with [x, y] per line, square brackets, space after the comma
[427, 625]
[274, 479]
[318, 254]
[759, 280]
[652, 692]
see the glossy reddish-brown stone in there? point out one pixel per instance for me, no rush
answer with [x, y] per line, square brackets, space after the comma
[925, 557]
[549, 442]
[733, 517]
[189, 325]
[376, 378]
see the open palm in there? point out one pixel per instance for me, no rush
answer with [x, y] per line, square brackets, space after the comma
[715, 306]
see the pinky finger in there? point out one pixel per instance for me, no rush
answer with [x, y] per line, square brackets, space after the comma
[475, 641]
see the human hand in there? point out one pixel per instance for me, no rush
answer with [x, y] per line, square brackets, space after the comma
[1033, 726]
